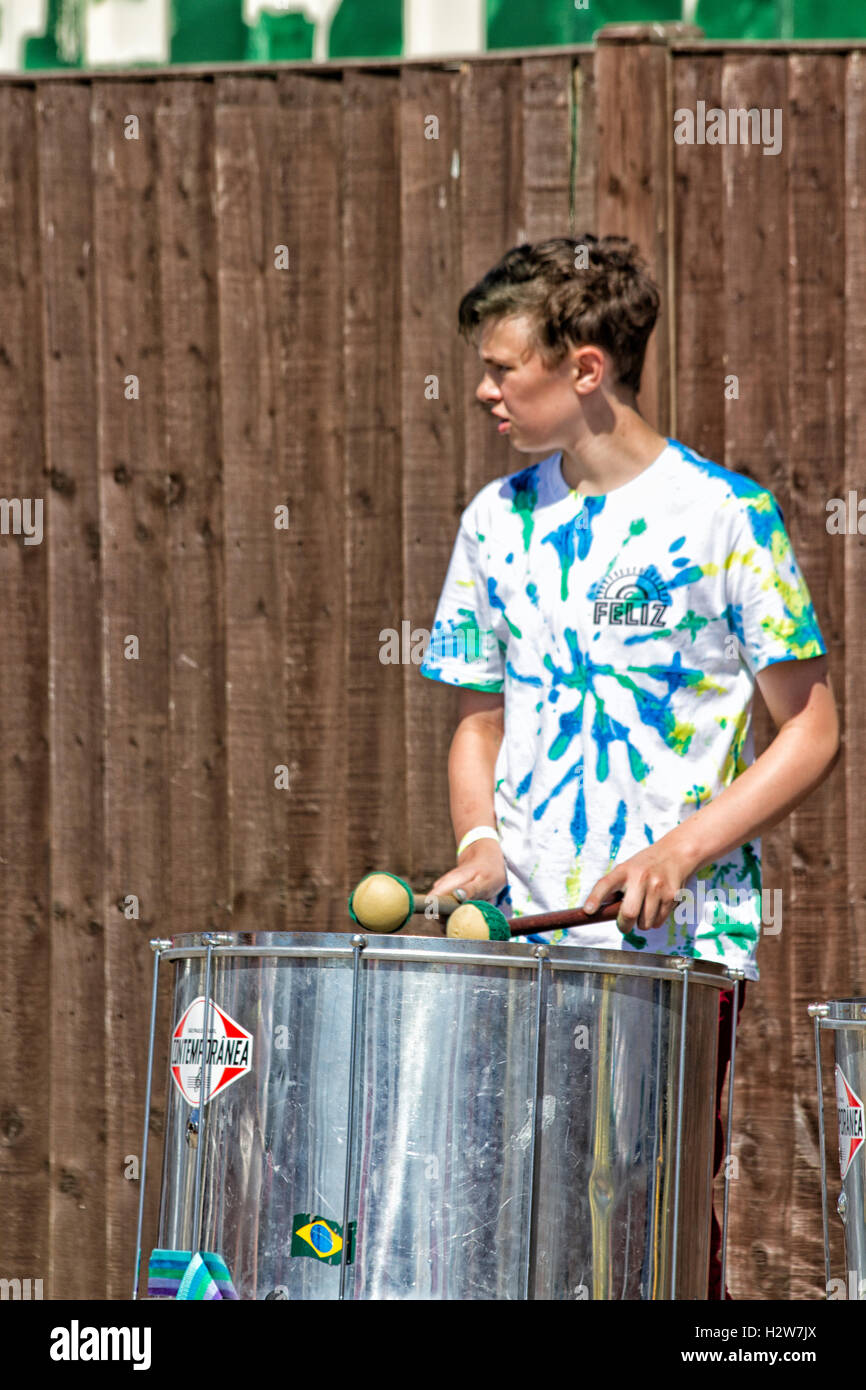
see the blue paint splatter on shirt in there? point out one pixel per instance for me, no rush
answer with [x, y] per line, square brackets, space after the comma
[617, 830]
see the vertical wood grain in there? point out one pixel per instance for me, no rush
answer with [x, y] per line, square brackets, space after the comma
[25, 765]
[133, 498]
[77, 922]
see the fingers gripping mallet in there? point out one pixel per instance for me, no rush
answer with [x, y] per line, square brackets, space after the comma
[382, 902]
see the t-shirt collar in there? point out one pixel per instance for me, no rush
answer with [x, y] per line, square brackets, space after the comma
[560, 489]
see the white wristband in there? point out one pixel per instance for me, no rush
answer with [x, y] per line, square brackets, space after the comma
[481, 832]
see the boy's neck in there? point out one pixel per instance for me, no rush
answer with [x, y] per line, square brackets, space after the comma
[608, 456]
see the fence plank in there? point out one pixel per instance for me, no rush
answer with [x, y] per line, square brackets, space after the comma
[432, 435]
[307, 323]
[25, 1006]
[77, 1091]
[698, 289]
[548, 97]
[635, 142]
[585, 154]
[820, 960]
[255, 480]
[135, 691]
[199, 831]
[754, 259]
[855, 545]
[375, 785]
[493, 219]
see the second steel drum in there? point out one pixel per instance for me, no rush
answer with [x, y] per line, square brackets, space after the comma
[415, 1118]
[846, 1020]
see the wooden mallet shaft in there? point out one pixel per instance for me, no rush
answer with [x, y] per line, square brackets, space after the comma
[567, 917]
[444, 903]
[481, 921]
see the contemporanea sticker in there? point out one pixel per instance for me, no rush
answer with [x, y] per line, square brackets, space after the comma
[229, 1054]
[850, 1108]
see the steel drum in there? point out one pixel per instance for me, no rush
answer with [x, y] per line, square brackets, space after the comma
[846, 1020]
[398, 1117]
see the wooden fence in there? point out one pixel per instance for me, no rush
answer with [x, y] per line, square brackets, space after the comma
[224, 296]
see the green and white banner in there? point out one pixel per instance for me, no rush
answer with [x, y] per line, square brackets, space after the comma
[39, 34]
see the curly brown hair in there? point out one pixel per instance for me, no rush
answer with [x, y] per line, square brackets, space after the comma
[604, 296]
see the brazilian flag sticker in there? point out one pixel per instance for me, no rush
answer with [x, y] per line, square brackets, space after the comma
[321, 1239]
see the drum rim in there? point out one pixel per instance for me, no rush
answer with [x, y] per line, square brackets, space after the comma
[445, 950]
[850, 1009]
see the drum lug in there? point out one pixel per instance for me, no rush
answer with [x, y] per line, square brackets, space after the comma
[358, 940]
[158, 944]
[541, 952]
[818, 1011]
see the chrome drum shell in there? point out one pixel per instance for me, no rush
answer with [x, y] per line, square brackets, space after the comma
[513, 1125]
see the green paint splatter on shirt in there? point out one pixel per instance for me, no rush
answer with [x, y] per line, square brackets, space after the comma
[692, 623]
[638, 942]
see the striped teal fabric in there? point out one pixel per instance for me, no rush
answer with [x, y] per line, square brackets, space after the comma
[181, 1274]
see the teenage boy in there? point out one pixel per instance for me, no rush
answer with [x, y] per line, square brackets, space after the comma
[607, 613]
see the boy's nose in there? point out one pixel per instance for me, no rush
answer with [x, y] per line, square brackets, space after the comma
[487, 389]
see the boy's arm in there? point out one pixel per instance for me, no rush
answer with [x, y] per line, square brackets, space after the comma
[804, 751]
[471, 764]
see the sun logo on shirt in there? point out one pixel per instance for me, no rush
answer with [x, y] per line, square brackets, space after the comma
[631, 598]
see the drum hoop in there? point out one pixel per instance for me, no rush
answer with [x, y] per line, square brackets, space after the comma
[425, 955]
[835, 1014]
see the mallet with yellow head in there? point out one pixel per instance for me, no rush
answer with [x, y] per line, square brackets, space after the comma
[383, 902]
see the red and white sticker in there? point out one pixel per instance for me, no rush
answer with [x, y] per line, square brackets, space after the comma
[850, 1108]
[229, 1055]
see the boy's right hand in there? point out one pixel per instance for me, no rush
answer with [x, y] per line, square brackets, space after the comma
[480, 871]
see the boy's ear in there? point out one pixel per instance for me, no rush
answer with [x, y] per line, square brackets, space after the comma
[589, 368]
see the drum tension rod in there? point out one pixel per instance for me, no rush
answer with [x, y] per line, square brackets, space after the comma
[157, 945]
[737, 976]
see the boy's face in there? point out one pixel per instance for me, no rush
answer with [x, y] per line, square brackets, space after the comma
[541, 405]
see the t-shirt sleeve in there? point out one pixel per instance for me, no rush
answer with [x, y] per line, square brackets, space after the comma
[464, 648]
[770, 608]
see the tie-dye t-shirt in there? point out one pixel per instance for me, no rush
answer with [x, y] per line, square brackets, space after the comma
[626, 631]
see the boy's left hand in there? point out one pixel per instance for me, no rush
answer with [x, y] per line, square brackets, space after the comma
[649, 882]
